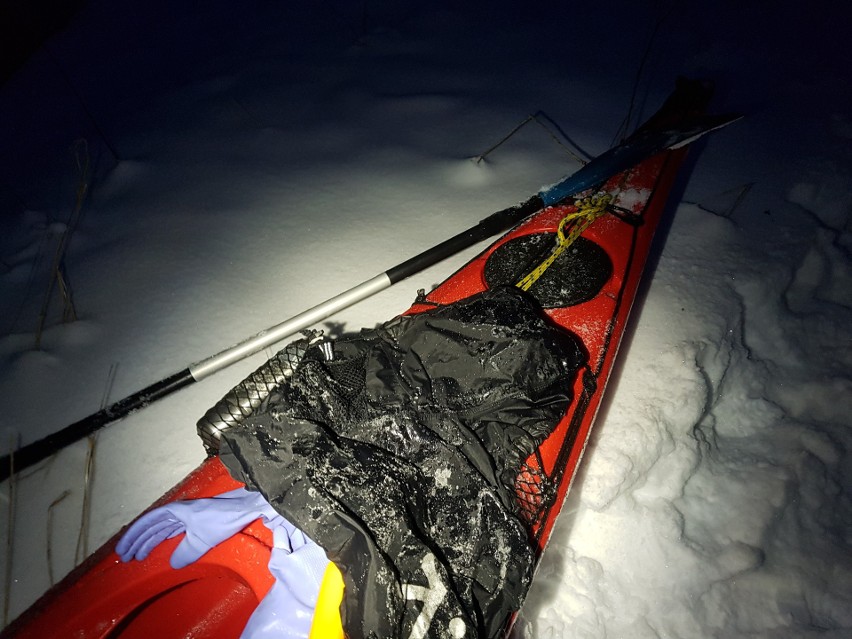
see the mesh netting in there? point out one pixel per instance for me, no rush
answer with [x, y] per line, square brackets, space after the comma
[534, 492]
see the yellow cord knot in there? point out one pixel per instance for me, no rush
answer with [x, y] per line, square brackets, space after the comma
[587, 210]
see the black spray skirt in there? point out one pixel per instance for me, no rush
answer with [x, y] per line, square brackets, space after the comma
[397, 450]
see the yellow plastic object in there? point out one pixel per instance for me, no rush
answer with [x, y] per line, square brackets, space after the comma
[327, 623]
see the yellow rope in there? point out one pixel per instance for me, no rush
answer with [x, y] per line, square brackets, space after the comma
[588, 210]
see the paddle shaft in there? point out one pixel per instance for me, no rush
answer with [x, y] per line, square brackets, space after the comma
[41, 449]
[647, 141]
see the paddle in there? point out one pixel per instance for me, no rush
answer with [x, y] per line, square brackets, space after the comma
[657, 135]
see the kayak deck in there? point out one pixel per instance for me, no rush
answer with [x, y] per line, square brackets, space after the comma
[105, 598]
[640, 195]
[214, 597]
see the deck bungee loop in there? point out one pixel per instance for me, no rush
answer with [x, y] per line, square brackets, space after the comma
[588, 210]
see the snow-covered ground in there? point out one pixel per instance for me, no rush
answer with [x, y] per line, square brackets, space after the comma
[249, 160]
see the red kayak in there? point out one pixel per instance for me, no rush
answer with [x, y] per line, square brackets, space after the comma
[602, 234]
[641, 196]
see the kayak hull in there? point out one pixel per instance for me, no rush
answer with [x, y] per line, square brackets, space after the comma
[106, 598]
[599, 322]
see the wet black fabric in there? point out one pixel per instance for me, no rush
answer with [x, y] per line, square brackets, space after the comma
[398, 455]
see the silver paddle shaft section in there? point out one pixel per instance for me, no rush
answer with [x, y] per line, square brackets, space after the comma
[289, 327]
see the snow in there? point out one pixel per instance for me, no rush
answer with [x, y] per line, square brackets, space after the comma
[248, 163]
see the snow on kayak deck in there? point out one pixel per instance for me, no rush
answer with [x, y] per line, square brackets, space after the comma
[246, 169]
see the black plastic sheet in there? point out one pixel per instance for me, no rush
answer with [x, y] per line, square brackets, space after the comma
[397, 451]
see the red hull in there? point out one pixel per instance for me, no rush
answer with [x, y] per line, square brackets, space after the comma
[213, 598]
[599, 323]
